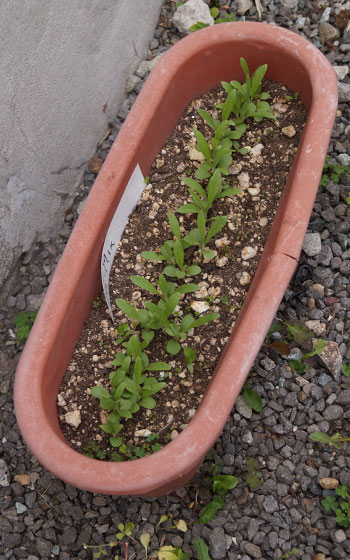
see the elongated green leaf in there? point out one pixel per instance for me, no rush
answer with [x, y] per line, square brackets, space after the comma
[187, 288]
[230, 192]
[188, 209]
[213, 123]
[131, 386]
[246, 72]
[201, 227]
[174, 225]
[163, 285]
[202, 144]
[107, 403]
[229, 104]
[100, 392]
[205, 319]
[253, 399]
[214, 187]
[224, 482]
[190, 354]
[193, 237]
[179, 253]
[257, 79]
[152, 255]
[217, 224]
[157, 311]
[319, 346]
[145, 539]
[192, 270]
[144, 284]
[166, 250]
[210, 511]
[320, 437]
[201, 549]
[194, 185]
[171, 304]
[186, 323]
[158, 366]
[204, 171]
[127, 308]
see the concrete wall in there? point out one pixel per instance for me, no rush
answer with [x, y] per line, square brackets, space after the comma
[61, 63]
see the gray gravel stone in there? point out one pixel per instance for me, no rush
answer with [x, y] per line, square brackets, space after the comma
[344, 92]
[217, 543]
[191, 13]
[333, 412]
[270, 504]
[4, 474]
[312, 244]
[253, 550]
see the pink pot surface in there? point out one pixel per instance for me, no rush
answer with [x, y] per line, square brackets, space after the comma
[194, 65]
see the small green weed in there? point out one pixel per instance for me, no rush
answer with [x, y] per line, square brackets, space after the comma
[340, 505]
[254, 476]
[292, 552]
[346, 369]
[332, 171]
[24, 323]
[336, 440]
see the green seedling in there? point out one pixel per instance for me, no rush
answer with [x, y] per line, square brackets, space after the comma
[166, 289]
[124, 332]
[252, 398]
[173, 253]
[200, 237]
[124, 531]
[346, 369]
[218, 152]
[340, 505]
[244, 102]
[297, 332]
[221, 484]
[203, 200]
[131, 388]
[176, 329]
[97, 303]
[298, 365]
[293, 97]
[201, 549]
[336, 440]
[332, 171]
[93, 451]
[215, 12]
[145, 539]
[254, 476]
[24, 323]
[190, 357]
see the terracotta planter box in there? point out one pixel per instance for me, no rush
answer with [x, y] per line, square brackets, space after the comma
[194, 65]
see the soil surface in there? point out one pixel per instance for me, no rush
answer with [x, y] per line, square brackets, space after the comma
[224, 281]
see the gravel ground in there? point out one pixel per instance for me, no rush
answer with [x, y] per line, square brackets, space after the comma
[44, 518]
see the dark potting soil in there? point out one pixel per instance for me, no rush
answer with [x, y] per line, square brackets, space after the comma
[224, 281]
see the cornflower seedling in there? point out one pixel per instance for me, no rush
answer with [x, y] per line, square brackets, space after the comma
[166, 289]
[130, 387]
[244, 106]
[217, 153]
[203, 200]
[190, 357]
[200, 237]
[173, 253]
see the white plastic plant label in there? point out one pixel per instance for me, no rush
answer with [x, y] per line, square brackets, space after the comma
[127, 204]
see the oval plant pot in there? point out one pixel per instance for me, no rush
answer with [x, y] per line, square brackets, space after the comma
[194, 65]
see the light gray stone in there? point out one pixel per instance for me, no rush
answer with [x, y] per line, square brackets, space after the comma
[131, 83]
[244, 6]
[253, 550]
[191, 13]
[326, 14]
[341, 71]
[312, 244]
[327, 32]
[270, 504]
[343, 159]
[344, 92]
[289, 3]
[146, 66]
[4, 474]
[243, 408]
[333, 412]
[217, 543]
